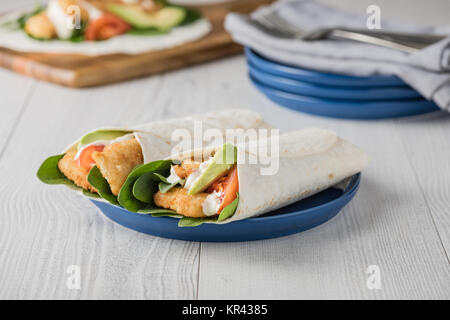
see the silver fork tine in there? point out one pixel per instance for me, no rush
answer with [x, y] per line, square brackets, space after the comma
[270, 20]
[270, 24]
[282, 24]
[269, 28]
[263, 19]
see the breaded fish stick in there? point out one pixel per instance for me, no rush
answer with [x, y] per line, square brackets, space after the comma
[69, 167]
[117, 160]
[178, 200]
[186, 168]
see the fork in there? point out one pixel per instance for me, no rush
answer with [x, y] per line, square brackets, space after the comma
[272, 23]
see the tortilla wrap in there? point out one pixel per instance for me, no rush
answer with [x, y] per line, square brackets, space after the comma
[310, 160]
[155, 138]
[17, 39]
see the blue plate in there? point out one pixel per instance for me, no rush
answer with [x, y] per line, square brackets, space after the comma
[331, 79]
[349, 109]
[300, 216]
[322, 91]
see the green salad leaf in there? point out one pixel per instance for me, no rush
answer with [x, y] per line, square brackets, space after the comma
[194, 222]
[229, 210]
[92, 195]
[145, 186]
[49, 173]
[172, 214]
[96, 179]
[161, 178]
[78, 34]
[165, 185]
[127, 198]
[159, 212]
[146, 32]
[191, 16]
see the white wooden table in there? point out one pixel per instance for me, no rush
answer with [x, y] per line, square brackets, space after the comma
[399, 220]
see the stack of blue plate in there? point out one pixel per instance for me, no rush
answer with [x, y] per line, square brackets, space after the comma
[335, 95]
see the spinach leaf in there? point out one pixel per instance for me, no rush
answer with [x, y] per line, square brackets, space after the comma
[194, 222]
[126, 197]
[166, 214]
[49, 173]
[96, 179]
[146, 32]
[145, 186]
[158, 212]
[191, 16]
[161, 178]
[78, 34]
[92, 195]
[165, 185]
[229, 210]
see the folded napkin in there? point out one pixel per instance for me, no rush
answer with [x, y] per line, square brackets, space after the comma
[427, 70]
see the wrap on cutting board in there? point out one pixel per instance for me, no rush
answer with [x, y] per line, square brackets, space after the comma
[197, 188]
[111, 153]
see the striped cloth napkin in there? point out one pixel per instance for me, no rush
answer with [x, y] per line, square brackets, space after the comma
[427, 70]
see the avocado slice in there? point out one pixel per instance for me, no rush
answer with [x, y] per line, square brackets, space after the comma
[101, 135]
[163, 19]
[222, 161]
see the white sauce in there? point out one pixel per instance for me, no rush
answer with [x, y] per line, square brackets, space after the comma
[59, 19]
[213, 201]
[63, 22]
[173, 178]
[212, 204]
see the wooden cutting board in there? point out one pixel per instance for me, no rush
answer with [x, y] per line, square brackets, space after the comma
[80, 71]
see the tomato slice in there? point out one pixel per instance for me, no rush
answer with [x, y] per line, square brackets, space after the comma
[230, 187]
[105, 27]
[85, 157]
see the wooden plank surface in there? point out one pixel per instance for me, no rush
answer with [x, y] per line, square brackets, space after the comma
[427, 152]
[15, 92]
[387, 224]
[397, 221]
[86, 71]
[40, 236]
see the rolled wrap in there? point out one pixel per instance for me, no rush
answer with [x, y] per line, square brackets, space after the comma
[310, 160]
[155, 138]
